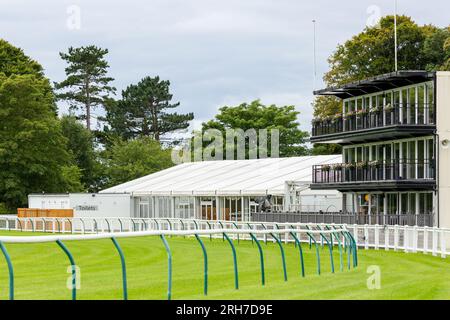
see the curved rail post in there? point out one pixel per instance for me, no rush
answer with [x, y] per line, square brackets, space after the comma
[237, 228]
[32, 224]
[261, 258]
[221, 226]
[347, 243]
[311, 238]
[251, 228]
[209, 226]
[347, 250]
[265, 236]
[72, 265]
[95, 225]
[321, 238]
[59, 224]
[331, 236]
[182, 226]
[124, 268]
[283, 259]
[302, 263]
[120, 224]
[83, 226]
[205, 262]
[354, 248]
[108, 224]
[170, 225]
[71, 225]
[329, 249]
[340, 232]
[169, 267]
[157, 223]
[341, 261]
[44, 225]
[20, 224]
[10, 270]
[233, 249]
[144, 224]
[278, 228]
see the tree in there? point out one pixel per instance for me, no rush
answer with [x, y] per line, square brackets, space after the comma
[87, 84]
[142, 111]
[259, 116]
[436, 50]
[371, 52]
[446, 64]
[81, 145]
[128, 160]
[33, 156]
[14, 61]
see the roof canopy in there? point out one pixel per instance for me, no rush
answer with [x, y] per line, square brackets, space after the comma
[379, 83]
[233, 178]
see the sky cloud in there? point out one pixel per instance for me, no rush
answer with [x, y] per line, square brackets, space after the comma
[213, 52]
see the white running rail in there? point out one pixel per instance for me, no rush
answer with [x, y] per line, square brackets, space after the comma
[108, 235]
[435, 241]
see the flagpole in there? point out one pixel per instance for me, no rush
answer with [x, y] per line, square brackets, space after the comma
[396, 39]
[315, 59]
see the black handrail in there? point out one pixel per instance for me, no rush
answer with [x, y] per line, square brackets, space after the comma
[406, 114]
[375, 171]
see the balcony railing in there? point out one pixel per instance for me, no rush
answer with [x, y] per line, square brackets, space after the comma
[374, 171]
[423, 115]
[408, 219]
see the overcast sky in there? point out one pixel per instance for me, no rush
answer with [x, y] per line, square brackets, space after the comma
[214, 52]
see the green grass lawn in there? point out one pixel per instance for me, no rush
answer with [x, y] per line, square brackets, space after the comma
[41, 272]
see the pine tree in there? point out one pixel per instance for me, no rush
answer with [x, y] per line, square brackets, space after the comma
[87, 84]
[143, 111]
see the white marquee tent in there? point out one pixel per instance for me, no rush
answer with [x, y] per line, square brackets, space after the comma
[227, 189]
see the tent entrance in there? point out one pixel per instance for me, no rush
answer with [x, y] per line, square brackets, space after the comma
[208, 209]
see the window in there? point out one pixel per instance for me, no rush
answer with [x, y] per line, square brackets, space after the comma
[184, 207]
[412, 203]
[392, 203]
[429, 114]
[412, 105]
[404, 203]
[426, 203]
[421, 159]
[144, 208]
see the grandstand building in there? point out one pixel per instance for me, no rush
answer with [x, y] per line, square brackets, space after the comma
[395, 131]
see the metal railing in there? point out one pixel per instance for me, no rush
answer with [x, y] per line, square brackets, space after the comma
[330, 234]
[408, 114]
[411, 219]
[395, 170]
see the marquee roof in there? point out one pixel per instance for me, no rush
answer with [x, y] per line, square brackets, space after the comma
[231, 178]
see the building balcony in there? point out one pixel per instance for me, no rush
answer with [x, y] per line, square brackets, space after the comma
[399, 121]
[376, 176]
[405, 219]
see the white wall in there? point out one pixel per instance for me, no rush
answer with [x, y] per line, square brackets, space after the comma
[49, 201]
[443, 130]
[101, 205]
[85, 204]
